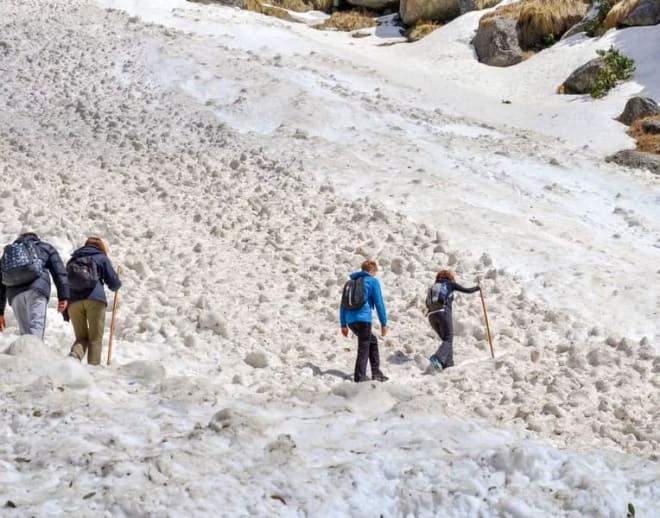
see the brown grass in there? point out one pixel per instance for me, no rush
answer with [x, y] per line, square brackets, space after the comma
[486, 4]
[618, 12]
[276, 8]
[421, 29]
[539, 21]
[645, 141]
[348, 21]
[321, 5]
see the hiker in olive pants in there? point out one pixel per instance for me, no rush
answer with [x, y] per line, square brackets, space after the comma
[88, 320]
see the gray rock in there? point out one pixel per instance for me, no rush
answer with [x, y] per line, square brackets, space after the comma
[411, 11]
[257, 360]
[637, 108]
[496, 43]
[582, 80]
[647, 12]
[651, 126]
[636, 160]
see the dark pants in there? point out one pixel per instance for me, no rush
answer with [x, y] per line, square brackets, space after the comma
[442, 325]
[367, 351]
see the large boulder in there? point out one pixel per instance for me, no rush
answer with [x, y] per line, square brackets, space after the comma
[637, 160]
[638, 108]
[412, 11]
[647, 12]
[582, 79]
[496, 42]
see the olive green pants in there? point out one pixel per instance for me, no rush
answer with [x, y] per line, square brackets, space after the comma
[88, 320]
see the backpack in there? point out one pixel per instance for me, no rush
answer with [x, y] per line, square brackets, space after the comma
[21, 263]
[83, 273]
[438, 296]
[352, 296]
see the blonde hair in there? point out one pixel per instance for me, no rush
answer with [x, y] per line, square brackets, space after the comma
[369, 265]
[445, 274]
[97, 242]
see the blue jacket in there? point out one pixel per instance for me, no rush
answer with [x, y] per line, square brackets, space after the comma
[107, 275]
[373, 299]
[52, 263]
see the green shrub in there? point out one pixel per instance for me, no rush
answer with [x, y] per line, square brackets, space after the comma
[595, 23]
[617, 68]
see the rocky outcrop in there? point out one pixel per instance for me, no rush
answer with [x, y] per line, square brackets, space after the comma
[582, 80]
[496, 42]
[647, 12]
[638, 108]
[412, 11]
[636, 160]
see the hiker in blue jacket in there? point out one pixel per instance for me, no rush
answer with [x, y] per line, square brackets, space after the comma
[359, 321]
[439, 304]
[88, 303]
[24, 268]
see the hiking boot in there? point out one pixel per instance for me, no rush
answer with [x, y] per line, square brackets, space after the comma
[435, 362]
[380, 377]
[74, 355]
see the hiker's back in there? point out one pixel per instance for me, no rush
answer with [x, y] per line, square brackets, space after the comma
[22, 262]
[439, 296]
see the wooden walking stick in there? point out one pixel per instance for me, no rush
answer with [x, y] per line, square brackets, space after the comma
[112, 320]
[483, 305]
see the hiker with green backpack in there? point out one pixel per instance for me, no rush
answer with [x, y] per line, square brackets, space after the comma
[25, 282]
[439, 301]
[88, 270]
[360, 295]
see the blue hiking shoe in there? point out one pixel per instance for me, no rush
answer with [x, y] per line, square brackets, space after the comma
[435, 362]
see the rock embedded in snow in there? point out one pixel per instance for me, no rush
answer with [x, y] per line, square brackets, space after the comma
[257, 360]
[646, 12]
[412, 11]
[583, 78]
[496, 42]
[637, 108]
[636, 160]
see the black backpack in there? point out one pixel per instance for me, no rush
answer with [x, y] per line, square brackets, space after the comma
[438, 296]
[352, 296]
[83, 273]
[21, 263]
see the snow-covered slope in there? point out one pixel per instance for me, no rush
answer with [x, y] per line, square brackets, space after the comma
[238, 171]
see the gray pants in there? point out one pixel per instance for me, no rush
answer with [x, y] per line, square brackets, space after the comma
[442, 324]
[29, 309]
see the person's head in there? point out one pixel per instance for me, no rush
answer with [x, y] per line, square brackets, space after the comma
[370, 267]
[98, 243]
[445, 275]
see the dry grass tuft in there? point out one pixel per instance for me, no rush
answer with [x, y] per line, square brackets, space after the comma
[645, 141]
[321, 5]
[348, 21]
[276, 8]
[486, 4]
[299, 6]
[540, 22]
[421, 29]
[618, 12]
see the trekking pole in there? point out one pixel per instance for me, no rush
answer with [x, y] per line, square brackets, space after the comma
[112, 320]
[483, 305]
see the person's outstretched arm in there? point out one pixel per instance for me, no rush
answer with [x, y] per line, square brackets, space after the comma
[457, 287]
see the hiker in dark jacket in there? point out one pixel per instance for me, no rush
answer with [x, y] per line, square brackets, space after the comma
[29, 301]
[87, 305]
[359, 321]
[440, 316]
